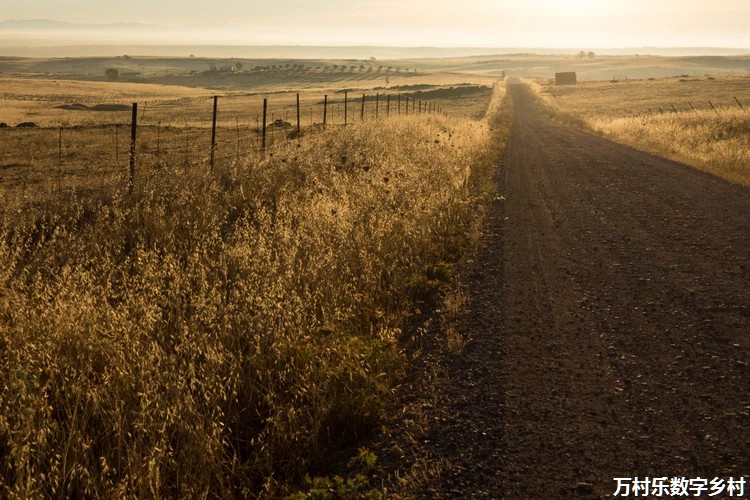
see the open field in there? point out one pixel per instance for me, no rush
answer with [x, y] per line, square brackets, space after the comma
[693, 120]
[218, 334]
[78, 145]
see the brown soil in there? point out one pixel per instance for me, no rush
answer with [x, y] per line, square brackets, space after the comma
[609, 321]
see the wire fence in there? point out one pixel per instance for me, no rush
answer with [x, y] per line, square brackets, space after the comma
[709, 108]
[212, 132]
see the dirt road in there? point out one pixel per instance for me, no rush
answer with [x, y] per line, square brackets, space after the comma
[610, 326]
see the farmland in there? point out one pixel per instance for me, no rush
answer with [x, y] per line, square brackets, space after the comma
[225, 330]
[697, 121]
[218, 333]
[81, 144]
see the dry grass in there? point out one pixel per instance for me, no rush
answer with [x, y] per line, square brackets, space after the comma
[629, 112]
[84, 149]
[217, 335]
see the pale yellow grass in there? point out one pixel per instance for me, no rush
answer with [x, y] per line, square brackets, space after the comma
[629, 112]
[215, 335]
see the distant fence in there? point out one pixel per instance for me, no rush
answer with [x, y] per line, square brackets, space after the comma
[107, 149]
[713, 108]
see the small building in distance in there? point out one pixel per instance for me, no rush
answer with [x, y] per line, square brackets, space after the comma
[567, 78]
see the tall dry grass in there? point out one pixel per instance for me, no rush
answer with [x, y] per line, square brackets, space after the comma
[715, 141]
[218, 335]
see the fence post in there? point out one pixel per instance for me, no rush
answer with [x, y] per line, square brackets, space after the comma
[346, 107]
[158, 141]
[673, 109]
[362, 113]
[299, 128]
[187, 143]
[388, 105]
[59, 159]
[117, 144]
[237, 125]
[213, 133]
[263, 132]
[712, 107]
[407, 106]
[133, 135]
[740, 104]
[325, 110]
[693, 108]
[377, 105]
[399, 104]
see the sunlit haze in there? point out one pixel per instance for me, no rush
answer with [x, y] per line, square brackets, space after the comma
[475, 23]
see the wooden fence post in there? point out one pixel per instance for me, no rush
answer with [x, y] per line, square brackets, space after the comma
[158, 141]
[133, 135]
[299, 127]
[213, 132]
[263, 130]
[187, 143]
[673, 109]
[346, 108]
[712, 107]
[388, 105]
[362, 113]
[377, 105]
[59, 159]
[407, 106]
[237, 128]
[325, 110]
[399, 104]
[117, 144]
[740, 104]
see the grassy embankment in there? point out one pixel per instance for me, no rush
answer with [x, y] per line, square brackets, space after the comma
[218, 335]
[712, 140]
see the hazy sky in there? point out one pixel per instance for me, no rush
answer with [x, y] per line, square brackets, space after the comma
[499, 23]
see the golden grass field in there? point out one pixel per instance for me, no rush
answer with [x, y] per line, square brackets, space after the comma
[85, 149]
[711, 139]
[218, 334]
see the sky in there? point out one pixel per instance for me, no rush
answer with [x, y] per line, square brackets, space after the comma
[439, 23]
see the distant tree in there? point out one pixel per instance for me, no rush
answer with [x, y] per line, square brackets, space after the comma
[380, 68]
[112, 74]
[369, 69]
[353, 67]
[238, 66]
[590, 55]
[361, 67]
[192, 56]
[582, 55]
[287, 65]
